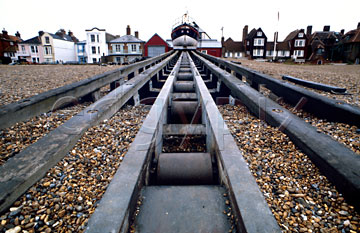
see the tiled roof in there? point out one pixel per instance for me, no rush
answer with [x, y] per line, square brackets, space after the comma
[280, 46]
[233, 46]
[292, 35]
[34, 40]
[109, 37]
[211, 43]
[64, 37]
[127, 39]
[251, 34]
[354, 36]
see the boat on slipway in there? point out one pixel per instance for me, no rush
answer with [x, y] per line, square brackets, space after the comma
[185, 34]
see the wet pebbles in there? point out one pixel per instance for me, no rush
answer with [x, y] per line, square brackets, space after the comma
[299, 196]
[65, 198]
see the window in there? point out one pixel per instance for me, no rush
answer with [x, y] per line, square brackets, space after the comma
[299, 43]
[133, 47]
[34, 59]
[247, 43]
[259, 42]
[204, 51]
[226, 54]
[259, 33]
[298, 53]
[23, 48]
[32, 49]
[93, 50]
[47, 40]
[99, 49]
[258, 52]
[92, 38]
[97, 37]
[118, 59]
[36, 49]
[118, 48]
[48, 50]
[11, 43]
[94, 60]
[38, 60]
[301, 35]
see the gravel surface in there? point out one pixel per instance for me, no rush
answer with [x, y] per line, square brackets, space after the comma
[347, 76]
[65, 198]
[23, 81]
[300, 197]
[345, 134]
[19, 136]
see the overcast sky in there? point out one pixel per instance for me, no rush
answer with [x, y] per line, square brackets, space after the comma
[157, 16]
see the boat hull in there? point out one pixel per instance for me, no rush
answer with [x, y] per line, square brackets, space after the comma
[185, 36]
[185, 41]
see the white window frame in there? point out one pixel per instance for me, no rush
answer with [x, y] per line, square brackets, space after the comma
[133, 47]
[47, 50]
[93, 49]
[298, 53]
[301, 35]
[23, 48]
[259, 42]
[259, 33]
[300, 43]
[92, 38]
[258, 52]
[118, 48]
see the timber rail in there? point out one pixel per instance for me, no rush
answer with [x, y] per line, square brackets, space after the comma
[181, 190]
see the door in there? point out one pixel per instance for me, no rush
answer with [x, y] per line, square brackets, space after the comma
[154, 51]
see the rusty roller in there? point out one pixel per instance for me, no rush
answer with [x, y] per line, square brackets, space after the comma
[184, 86]
[184, 169]
[182, 112]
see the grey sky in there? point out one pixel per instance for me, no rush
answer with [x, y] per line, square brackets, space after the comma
[157, 16]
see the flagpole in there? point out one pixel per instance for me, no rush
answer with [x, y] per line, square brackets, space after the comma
[276, 37]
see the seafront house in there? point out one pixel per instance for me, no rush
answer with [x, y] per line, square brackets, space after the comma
[297, 42]
[31, 50]
[58, 47]
[9, 47]
[81, 53]
[126, 49]
[349, 47]
[322, 45]
[97, 41]
[255, 44]
[233, 49]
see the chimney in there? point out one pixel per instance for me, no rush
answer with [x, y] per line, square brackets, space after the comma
[5, 33]
[17, 34]
[358, 27]
[70, 33]
[137, 34]
[245, 33]
[308, 31]
[342, 31]
[326, 28]
[128, 30]
[41, 33]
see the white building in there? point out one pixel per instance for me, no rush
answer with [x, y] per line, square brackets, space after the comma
[58, 47]
[96, 44]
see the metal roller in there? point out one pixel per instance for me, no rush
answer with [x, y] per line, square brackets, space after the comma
[184, 86]
[182, 112]
[184, 169]
[185, 76]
